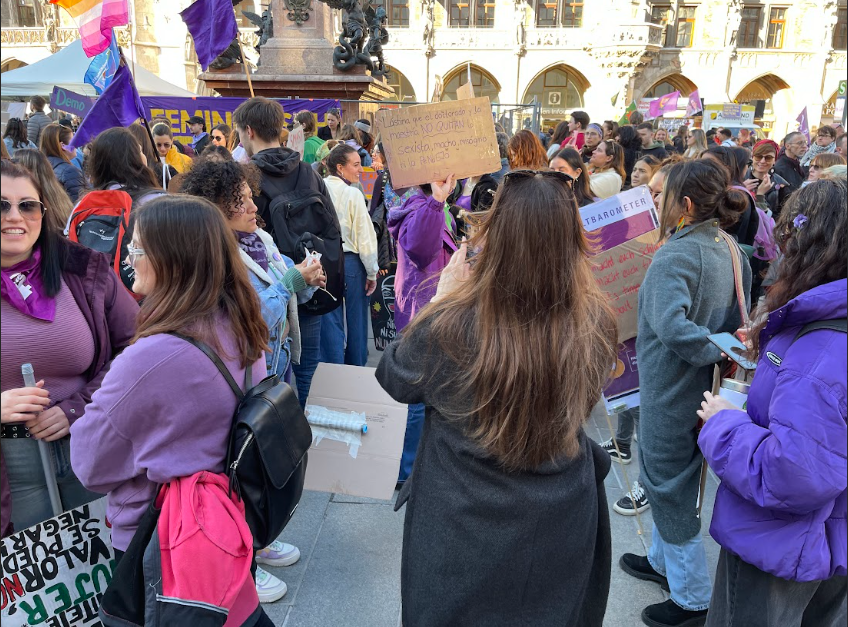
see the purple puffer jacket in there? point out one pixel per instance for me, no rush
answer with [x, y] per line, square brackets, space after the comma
[424, 248]
[782, 502]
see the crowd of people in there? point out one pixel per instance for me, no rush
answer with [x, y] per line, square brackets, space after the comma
[270, 257]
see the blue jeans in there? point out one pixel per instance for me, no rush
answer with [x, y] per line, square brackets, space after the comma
[685, 567]
[414, 426]
[310, 354]
[30, 499]
[354, 313]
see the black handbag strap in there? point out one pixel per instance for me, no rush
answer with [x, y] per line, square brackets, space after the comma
[839, 324]
[212, 355]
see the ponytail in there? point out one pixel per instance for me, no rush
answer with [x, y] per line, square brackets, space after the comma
[734, 204]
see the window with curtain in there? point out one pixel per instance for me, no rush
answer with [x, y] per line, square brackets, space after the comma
[777, 25]
[559, 13]
[685, 26]
[749, 28]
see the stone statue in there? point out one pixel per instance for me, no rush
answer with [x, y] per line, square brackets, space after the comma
[520, 29]
[265, 25]
[429, 7]
[353, 48]
[734, 20]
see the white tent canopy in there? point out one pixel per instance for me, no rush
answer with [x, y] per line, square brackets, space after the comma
[66, 69]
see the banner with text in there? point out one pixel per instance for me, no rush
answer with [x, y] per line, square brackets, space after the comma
[55, 573]
[70, 102]
[383, 309]
[220, 110]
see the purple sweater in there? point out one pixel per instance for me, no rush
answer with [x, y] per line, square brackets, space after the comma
[163, 411]
[782, 502]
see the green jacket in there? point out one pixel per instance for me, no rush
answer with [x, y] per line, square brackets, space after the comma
[310, 147]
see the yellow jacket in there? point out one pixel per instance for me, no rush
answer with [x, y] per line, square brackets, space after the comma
[181, 162]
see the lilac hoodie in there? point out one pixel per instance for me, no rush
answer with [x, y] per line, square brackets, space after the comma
[163, 411]
[425, 247]
[781, 505]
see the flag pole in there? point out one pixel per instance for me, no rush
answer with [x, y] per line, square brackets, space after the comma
[130, 27]
[246, 68]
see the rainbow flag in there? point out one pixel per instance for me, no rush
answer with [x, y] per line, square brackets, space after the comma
[95, 20]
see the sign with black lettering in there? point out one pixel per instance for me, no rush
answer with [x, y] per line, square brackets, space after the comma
[383, 310]
[55, 573]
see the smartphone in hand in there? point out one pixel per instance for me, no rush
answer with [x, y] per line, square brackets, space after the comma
[733, 348]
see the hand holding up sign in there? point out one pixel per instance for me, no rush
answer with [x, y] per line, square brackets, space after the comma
[442, 189]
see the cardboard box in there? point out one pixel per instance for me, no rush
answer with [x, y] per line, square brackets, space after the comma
[374, 472]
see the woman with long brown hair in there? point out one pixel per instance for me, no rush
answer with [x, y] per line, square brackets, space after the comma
[569, 162]
[503, 448]
[52, 192]
[164, 411]
[607, 167]
[525, 152]
[55, 141]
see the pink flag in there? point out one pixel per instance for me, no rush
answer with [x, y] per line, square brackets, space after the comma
[95, 20]
[694, 106]
[804, 124]
[663, 104]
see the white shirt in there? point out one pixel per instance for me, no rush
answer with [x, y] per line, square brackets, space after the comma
[357, 230]
[605, 184]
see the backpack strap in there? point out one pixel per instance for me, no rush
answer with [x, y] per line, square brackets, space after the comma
[840, 325]
[207, 350]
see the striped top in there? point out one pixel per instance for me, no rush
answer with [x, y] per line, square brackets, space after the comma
[61, 352]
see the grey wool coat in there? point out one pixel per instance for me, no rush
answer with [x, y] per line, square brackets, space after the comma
[487, 548]
[688, 294]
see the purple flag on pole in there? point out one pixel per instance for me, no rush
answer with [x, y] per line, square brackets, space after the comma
[663, 104]
[804, 124]
[694, 106]
[119, 105]
[212, 24]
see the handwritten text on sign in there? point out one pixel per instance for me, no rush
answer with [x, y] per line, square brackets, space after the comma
[55, 573]
[427, 143]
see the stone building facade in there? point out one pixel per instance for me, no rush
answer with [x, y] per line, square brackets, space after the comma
[596, 55]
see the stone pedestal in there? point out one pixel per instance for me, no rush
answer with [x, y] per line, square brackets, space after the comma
[298, 63]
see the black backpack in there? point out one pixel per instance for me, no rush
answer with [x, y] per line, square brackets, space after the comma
[304, 219]
[267, 454]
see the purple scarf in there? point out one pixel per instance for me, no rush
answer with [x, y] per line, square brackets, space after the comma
[253, 246]
[22, 289]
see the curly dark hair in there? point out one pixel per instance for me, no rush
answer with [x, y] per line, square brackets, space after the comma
[814, 253]
[220, 182]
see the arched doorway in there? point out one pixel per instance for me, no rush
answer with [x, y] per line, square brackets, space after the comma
[770, 96]
[560, 90]
[401, 85]
[671, 84]
[11, 64]
[484, 83]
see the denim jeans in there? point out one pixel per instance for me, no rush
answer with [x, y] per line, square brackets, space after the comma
[685, 567]
[310, 354]
[353, 314]
[745, 596]
[30, 499]
[627, 423]
[414, 426]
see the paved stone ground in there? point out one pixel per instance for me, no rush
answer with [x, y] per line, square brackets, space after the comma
[349, 572]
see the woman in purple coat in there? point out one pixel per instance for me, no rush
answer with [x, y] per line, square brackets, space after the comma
[425, 232]
[780, 512]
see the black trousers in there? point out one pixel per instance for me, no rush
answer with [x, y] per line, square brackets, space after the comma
[745, 596]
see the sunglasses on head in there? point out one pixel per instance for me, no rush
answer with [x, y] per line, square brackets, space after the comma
[528, 174]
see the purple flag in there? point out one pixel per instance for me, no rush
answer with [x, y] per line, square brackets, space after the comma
[119, 105]
[663, 104]
[694, 106]
[804, 124]
[212, 24]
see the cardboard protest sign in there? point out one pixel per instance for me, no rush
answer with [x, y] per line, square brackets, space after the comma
[368, 179]
[427, 143]
[55, 573]
[296, 140]
[465, 91]
[383, 310]
[622, 392]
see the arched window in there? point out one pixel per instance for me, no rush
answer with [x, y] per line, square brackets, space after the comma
[669, 84]
[401, 85]
[560, 90]
[483, 82]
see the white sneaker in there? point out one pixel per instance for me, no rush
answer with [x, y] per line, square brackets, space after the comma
[268, 587]
[278, 554]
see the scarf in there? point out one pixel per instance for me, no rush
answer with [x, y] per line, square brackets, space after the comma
[22, 289]
[816, 150]
[254, 247]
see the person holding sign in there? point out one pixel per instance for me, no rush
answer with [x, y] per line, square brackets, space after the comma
[504, 450]
[689, 293]
[65, 312]
[425, 232]
[361, 267]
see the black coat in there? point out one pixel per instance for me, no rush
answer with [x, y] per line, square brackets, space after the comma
[325, 133]
[794, 174]
[69, 176]
[486, 548]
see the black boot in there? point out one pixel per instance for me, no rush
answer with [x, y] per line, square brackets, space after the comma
[670, 614]
[641, 568]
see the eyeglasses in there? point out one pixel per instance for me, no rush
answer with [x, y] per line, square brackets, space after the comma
[764, 158]
[816, 167]
[31, 210]
[134, 253]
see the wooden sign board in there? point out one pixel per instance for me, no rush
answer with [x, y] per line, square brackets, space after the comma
[427, 143]
[296, 140]
[465, 91]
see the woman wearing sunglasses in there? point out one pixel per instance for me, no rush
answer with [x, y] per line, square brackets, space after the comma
[220, 135]
[65, 312]
[503, 449]
[822, 162]
[762, 180]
